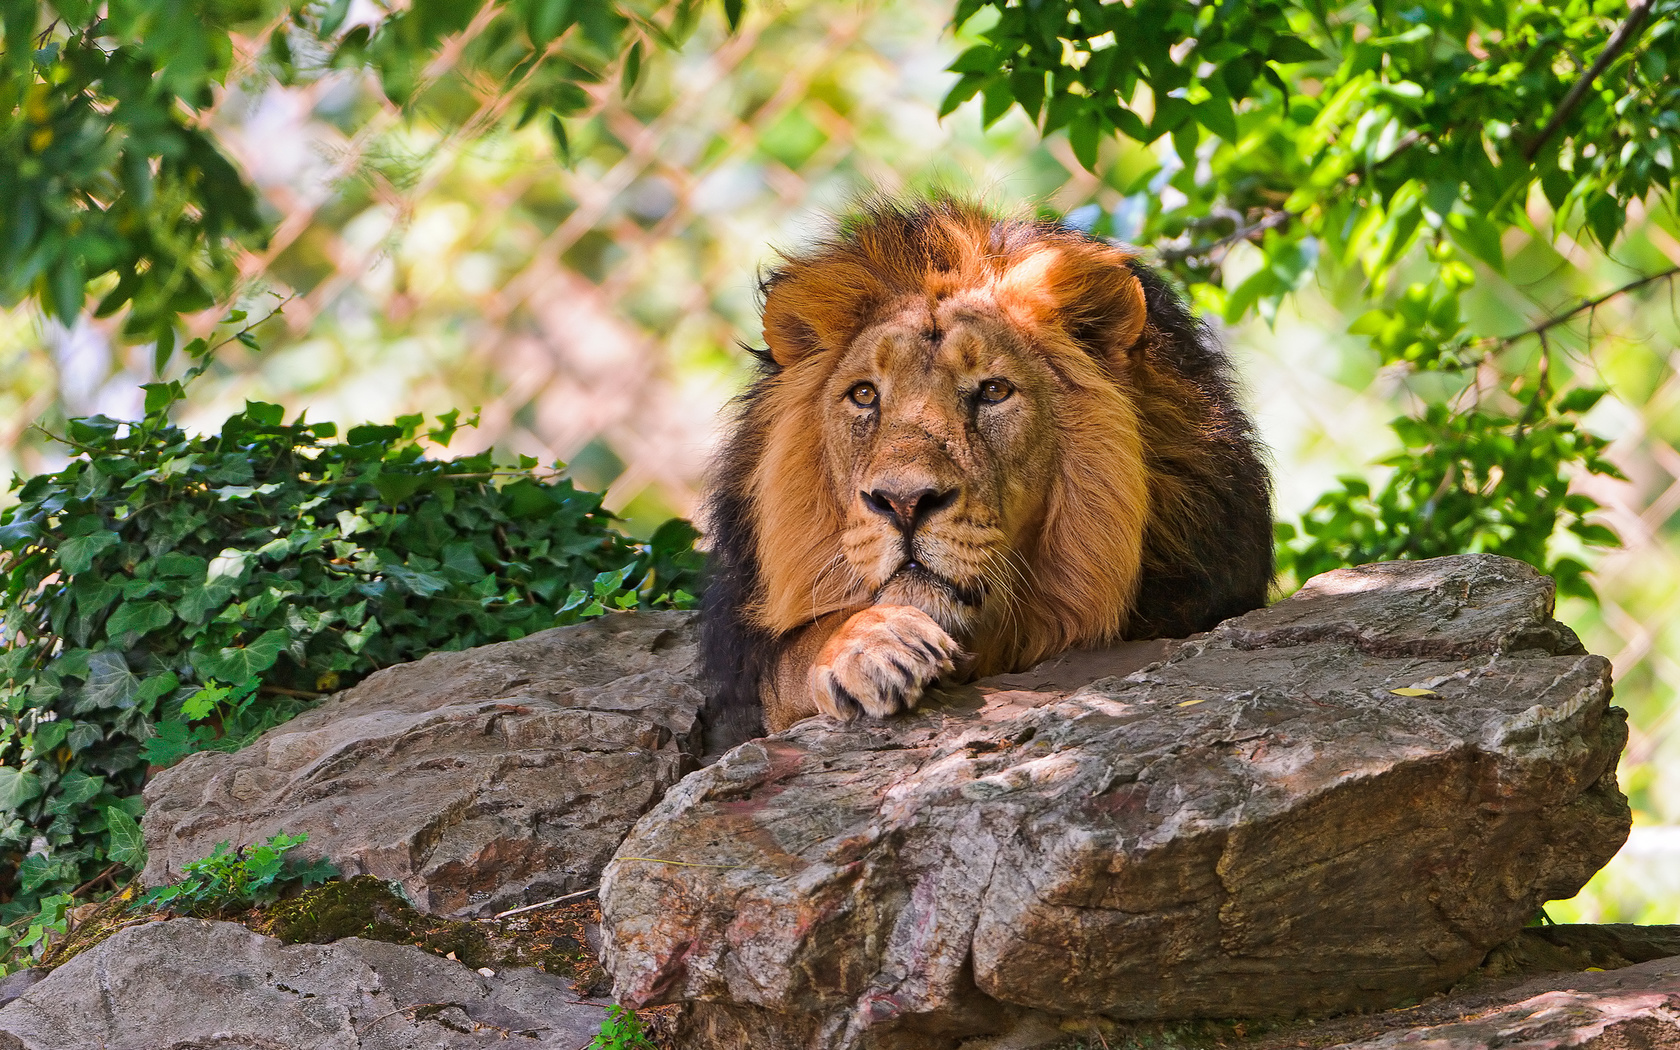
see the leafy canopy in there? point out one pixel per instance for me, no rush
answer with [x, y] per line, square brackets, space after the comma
[114, 186]
[1395, 141]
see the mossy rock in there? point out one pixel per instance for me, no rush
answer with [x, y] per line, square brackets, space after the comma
[369, 908]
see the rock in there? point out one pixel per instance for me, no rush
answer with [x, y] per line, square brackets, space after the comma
[1341, 802]
[193, 983]
[1637, 1008]
[1545, 949]
[1604, 1011]
[17, 983]
[478, 780]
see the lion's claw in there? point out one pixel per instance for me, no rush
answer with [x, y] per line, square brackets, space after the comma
[880, 662]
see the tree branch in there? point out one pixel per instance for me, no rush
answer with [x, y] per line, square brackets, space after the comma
[1581, 307]
[1624, 35]
[1271, 220]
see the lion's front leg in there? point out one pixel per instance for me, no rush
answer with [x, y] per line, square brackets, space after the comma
[879, 662]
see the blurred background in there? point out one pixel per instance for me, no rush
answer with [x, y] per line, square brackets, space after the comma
[592, 312]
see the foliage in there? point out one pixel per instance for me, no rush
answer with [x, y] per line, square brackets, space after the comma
[168, 592]
[622, 1030]
[113, 182]
[1494, 484]
[105, 173]
[1395, 141]
[231, 880]
[53, 917]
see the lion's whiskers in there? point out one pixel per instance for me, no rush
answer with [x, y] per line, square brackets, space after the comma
[838, 561]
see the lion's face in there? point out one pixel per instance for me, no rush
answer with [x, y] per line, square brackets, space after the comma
[939, 436]
[950, 426]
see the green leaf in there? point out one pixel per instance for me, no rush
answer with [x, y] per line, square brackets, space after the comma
[996, 99]
[396, 488]
[200, 704]
[197, 605]
[238, 663]
[1216, 115]
[965, 88]
[632, 69]
[1579, 400]
[110, 684]
[16, 788]
[128, 845]
[77, 787]
[1286, 48]
[981, 58]
[333, 17]
[138, 618]
[562, 144]
[154, 689]
[1082, 136]
[732, 11]
[1479, 237]
[77, 553]
[1369, 323]
[1597, 535]
[173, 741]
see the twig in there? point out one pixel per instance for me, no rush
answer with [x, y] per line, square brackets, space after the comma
[301, 694]
[1243, 233]
[1581, 307]
[96, 880]
[1624, 35]
[1532, 409]
[562, 899]
[1281, 216]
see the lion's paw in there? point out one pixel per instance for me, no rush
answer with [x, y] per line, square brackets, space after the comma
[880, 661]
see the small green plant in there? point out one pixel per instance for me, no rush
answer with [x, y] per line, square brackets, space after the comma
[229, 880]
[622, 1030]
[168, 592]
[52, 918]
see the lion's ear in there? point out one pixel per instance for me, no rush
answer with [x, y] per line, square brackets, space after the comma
[1087, 290]
[817, 306]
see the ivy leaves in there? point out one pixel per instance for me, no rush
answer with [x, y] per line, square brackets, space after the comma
[165, 593]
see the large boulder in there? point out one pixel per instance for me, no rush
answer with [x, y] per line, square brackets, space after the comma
[192, 983]
[479, 780]
[1337, 803]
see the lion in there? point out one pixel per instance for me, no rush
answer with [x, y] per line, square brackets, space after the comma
[973, 442]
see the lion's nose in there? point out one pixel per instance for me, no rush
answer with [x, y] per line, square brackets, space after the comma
[907, 509]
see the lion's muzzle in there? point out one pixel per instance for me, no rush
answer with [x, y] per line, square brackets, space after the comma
[906, 509]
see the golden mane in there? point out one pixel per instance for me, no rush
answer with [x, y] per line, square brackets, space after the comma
[1154, 459]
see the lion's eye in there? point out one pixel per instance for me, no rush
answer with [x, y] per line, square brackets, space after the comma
[994, 390]
[863, 395]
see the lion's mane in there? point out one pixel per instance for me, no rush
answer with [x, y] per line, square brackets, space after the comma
[1207, 539]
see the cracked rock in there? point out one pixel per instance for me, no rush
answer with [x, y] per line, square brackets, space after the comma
[1341, 802]
[479, 780]
[192, 983]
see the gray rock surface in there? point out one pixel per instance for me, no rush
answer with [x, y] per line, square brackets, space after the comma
[17, 983]
[1340, 802]
[479, 780]
[188, 983]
